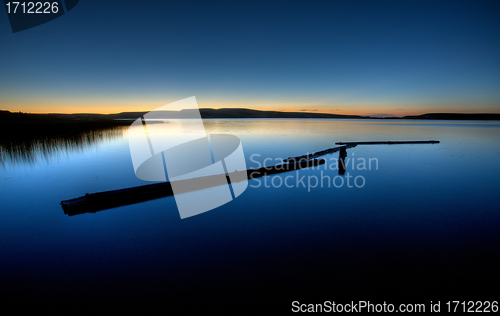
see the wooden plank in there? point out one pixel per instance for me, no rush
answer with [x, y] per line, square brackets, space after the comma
[91, 203]
[390, 142]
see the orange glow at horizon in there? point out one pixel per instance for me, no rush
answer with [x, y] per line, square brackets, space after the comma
[115, 106]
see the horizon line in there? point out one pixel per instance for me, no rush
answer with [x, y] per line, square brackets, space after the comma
[226, 108]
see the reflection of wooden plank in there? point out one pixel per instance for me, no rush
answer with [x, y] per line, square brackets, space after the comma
[91, 203]
[390, 142]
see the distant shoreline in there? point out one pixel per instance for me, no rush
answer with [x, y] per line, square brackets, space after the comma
[11, 118]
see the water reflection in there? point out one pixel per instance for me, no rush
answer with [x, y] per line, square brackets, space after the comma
[423, 223]
[30, 150]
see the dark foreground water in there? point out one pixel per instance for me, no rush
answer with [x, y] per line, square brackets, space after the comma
[414, 223]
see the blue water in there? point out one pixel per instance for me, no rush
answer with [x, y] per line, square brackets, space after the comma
[424, 225]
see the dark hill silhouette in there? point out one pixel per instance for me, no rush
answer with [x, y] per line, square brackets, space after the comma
[455, 116]
[236, 113]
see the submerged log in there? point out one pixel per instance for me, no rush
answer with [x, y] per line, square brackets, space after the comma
[390, 142]
[91, 203]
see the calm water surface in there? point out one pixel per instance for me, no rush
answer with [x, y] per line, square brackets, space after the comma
[420, 223]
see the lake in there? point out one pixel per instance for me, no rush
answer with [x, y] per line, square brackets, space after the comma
[413, 223]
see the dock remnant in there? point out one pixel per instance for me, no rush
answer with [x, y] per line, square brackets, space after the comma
[91, 203]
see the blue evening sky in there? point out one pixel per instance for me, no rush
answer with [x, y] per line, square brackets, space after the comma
[347, 57]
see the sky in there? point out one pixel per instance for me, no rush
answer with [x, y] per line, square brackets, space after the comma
[378, 58]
